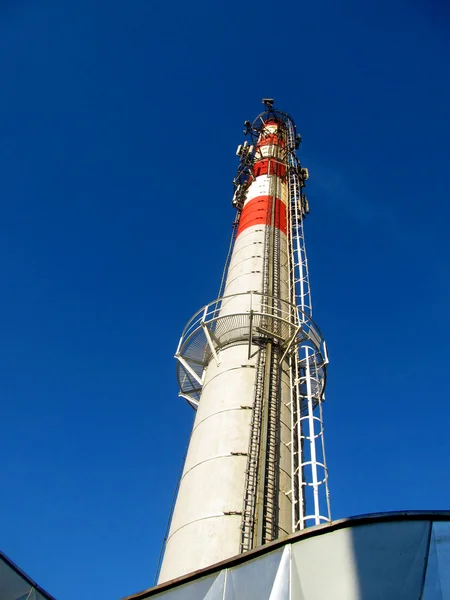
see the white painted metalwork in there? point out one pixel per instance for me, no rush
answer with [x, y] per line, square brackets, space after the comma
[310, 493]
[215, 327]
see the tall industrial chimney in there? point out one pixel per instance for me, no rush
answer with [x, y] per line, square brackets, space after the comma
[252, 364]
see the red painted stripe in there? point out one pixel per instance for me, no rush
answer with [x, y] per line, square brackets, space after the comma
[272, 138]
[261, 167]
[259, 212]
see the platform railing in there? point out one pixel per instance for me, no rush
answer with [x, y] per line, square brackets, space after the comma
[249, 318]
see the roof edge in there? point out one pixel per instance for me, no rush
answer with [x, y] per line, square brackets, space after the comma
[403, 515]
[28, 579]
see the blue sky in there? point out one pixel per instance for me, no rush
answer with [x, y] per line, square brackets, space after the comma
[118, 129]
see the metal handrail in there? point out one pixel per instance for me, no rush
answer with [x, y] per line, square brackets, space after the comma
[288, 313]
[243, 318]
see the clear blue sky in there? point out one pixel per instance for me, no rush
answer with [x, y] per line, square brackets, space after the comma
[118, 128]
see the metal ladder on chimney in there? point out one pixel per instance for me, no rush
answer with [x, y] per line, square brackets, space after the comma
[263, 455]
[251, 480]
